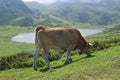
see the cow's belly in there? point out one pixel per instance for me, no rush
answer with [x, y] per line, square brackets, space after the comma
[58, 43]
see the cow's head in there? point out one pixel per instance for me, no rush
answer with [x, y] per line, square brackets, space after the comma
[86, 49]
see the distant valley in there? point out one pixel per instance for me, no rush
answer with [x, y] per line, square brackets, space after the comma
[64, 13]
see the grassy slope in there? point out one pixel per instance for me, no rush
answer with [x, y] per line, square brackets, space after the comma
[104, 65]
[80, 25]
[7, 47]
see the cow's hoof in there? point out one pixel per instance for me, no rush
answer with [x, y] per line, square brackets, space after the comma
[68, 61]
[88, 56]
[34, 68]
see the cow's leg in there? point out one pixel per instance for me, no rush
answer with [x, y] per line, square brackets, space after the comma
[45, 57]
[37, 49]
[68, 55]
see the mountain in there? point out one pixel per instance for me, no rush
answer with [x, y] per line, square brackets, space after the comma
[104, 12]
[101, 12]
[60, 13]
[83, 1]
[12, 9]
[16, 13]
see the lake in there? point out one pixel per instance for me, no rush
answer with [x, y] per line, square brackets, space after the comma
[29, 37]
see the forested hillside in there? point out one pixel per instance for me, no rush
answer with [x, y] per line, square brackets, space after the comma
[101, 12]
[60, 13]
[11, 10]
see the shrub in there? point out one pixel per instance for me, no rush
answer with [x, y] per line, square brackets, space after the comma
[101, 45]
[24, 59]
[54, 55]
[19, 60]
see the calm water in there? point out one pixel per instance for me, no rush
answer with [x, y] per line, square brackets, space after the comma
[29, 37]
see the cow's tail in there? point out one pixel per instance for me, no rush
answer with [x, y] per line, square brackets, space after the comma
[36, 38]
[37, 41]
[38, 29]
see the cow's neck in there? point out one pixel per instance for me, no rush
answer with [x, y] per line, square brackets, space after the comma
[83, 43]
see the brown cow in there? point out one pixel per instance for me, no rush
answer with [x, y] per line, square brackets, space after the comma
[62, 37]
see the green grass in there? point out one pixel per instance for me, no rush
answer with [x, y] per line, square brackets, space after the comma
[79, 25]
[7, 47]
[104, 65]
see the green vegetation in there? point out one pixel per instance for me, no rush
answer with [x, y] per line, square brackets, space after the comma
[23, 21]
[7, 47]
[105, 65]
[16, 13]
[19, 60]
[102, 13]
[16, 59]
[10, 10]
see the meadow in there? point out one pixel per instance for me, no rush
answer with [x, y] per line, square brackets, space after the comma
[104, 65]
[7, 47]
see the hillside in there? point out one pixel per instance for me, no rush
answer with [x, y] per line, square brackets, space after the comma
[16, 59]
[12, 9]
[101, 12]
[94, 13]
[103, 65]
[61, 13]
[16, 13]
